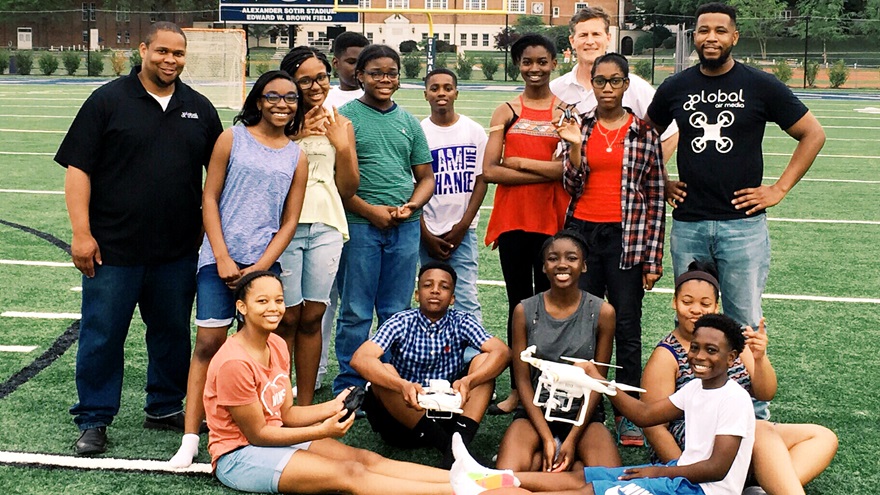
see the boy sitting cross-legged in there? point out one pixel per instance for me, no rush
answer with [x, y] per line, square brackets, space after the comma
[429, 343]
[718, 442]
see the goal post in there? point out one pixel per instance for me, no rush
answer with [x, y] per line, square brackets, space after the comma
[215, 65]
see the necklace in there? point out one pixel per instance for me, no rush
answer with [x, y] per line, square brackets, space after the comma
[610, 142]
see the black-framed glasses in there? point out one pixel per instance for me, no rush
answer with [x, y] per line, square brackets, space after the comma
[289, 98]
[307, 82]
[599, 82]
[378, 76]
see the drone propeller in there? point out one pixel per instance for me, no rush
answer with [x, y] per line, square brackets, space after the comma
[622, 386]
[579, 360]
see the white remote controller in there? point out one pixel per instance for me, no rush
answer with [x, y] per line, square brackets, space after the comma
[440, 400]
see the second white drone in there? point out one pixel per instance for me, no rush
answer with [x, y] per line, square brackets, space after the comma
[566, 382]
[440, 400]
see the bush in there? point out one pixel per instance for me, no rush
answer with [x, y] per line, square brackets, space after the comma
[642, 68]
[444, 47]
[643, 43]
[668, 43]
[838, 74]
[408, 46]
[512, 70]
[412, 65]
[96, 64]
[117, 62]
[4, 61]
[48, 64]
[489, 66]
[440, 60]
[24, 61]
[71, 61]
[465, 67]
[262, 68]
[812, 71]
[782, 71]
[135, 57]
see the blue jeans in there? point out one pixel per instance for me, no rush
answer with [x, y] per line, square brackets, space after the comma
[377, 271]
[740, 250]
[464, 262]
[165, 295]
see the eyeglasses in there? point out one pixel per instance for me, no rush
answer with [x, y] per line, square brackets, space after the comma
[378, 76]
[308, 82]
[599, 82]
[289, 98]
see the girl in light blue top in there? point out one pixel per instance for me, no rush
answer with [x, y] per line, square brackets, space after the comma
[252, 201]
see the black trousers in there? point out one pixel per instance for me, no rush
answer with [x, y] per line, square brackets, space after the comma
[624, 289]
[522, 267]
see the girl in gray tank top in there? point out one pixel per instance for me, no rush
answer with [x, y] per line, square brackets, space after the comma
[563, 321]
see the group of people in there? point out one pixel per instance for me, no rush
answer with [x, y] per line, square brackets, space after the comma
[319, 197]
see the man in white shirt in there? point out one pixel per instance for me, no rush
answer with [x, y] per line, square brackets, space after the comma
[589, 39]
[346, 49]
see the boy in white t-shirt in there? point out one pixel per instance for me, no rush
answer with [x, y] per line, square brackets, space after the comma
[449, 220]
[719, 432]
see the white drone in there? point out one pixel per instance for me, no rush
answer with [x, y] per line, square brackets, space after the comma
[566, 382]
[440, 400]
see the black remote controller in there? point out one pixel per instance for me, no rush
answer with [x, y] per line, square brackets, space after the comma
[352, 402]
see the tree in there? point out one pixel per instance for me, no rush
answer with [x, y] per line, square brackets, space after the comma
[825, 19]
[759, 19]
[258, 31]
[505, 38]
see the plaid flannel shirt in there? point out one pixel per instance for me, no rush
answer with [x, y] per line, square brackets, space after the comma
[641, 198]
[421, 350]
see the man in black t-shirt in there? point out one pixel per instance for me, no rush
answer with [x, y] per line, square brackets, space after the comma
[134, 156]
[721, 108]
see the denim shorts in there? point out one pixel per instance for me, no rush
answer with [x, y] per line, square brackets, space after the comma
[310, 262]
[255, 469]
[605, 480]
[215, 303]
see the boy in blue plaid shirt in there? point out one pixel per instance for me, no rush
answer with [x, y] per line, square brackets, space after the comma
[429, 343]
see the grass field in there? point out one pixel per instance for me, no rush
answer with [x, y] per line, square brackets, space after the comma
[823, 304]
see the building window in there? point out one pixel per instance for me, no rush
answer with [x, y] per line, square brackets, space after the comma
[127, 38]
[118, 38]
[785, 14]
[555, 12]
[579, 6]
[437, 4]
[463, 39]
[446, 37]
[86, 36]
[365, 4]
[475, 39]
[517, 6]
[485, 39]
[154, 16]
[475, 5]
[370, 36]
[123, 15]
[88, 11]
[397, 4]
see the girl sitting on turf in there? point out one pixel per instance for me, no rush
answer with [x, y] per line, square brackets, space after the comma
[253, 196]
[260, 442]
[785, 456]
[563, 321]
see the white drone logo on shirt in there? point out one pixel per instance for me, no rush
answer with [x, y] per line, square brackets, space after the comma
[712, 132]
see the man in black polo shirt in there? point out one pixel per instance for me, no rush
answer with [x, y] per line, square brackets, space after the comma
[134, 157]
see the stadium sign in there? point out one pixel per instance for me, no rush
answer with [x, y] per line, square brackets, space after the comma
[285, 11]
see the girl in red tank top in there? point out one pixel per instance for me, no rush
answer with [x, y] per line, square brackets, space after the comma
[521, 157]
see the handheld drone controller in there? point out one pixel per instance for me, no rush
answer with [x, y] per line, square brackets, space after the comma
[352, 402]
[440, 400]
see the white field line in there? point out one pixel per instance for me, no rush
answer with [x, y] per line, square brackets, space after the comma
[98, 463]
[76, 289]
[789, 297]
[25, 153]
[29, 191]
[33, 130]
[41, 316]
[808, 179]
[793, 220]
[65, 264]
[850, 127]
[820, 155]
[788, 138]
[17, 348]
[68, 117]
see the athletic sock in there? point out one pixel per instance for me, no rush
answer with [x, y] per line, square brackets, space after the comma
[467, 428]
[189, 448]
[431, 433]
[467, 466]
